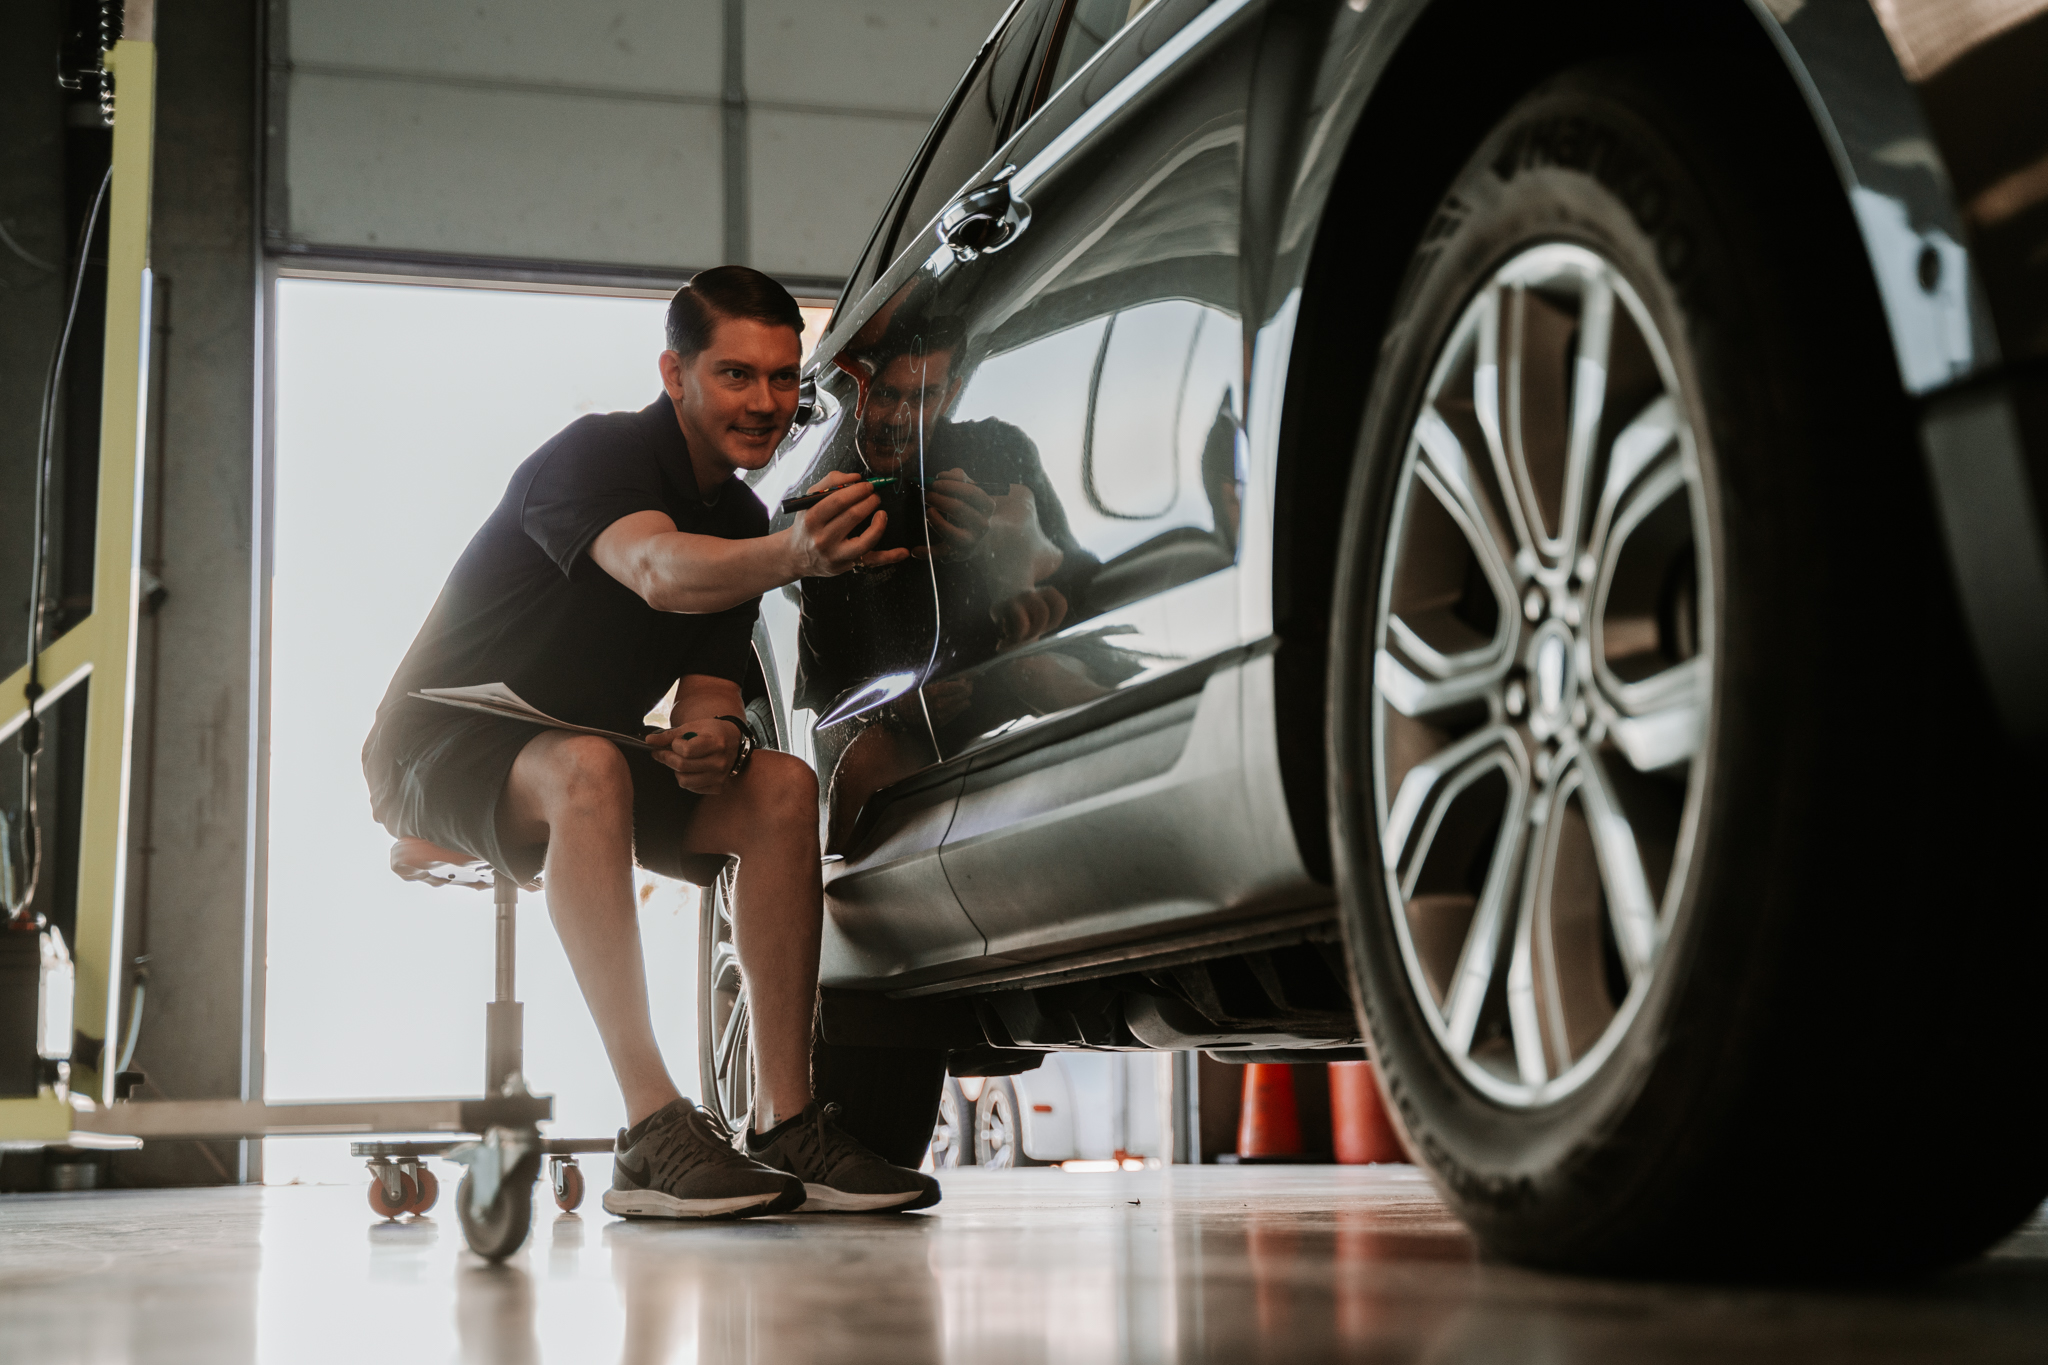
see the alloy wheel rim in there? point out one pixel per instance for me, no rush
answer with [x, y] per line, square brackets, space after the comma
[946, 1144]
[731, 1022]
[997, 1139]
[1542, 674]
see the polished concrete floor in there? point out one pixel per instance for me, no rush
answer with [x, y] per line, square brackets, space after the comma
[1208, 1264]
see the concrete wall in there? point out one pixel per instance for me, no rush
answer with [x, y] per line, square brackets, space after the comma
[655, 135]
[201, 1032]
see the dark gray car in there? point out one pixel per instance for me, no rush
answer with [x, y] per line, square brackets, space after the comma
[1502, 535]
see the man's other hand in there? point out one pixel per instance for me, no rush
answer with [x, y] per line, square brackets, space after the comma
[701, 752]
[824, 538]
[959, 510]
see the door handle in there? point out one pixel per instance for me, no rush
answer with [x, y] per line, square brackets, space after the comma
[806, 403]
[985, 218]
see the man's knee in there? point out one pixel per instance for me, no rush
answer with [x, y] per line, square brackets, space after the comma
[783, 790]
[587, 776]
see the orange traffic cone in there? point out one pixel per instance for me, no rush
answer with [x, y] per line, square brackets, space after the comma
[1359, 1124]
[1268, 1126]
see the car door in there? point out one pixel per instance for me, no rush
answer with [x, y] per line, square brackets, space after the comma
[1080, 350]
[865, 643]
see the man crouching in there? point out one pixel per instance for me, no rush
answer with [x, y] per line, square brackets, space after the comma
[626, 555]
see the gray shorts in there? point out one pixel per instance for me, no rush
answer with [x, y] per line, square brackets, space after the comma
[438, 774]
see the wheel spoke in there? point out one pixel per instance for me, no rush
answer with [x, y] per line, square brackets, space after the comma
[1667, 718]
[1418, 811]
[1455, 614]
[1461, 809]
[1479, 961]
[1651, 435]
[1486, 406]
[1631, 904]
[734, 1061]
[1415, 696]
[1525, 1014]
[1449, 475]
[1588, 404]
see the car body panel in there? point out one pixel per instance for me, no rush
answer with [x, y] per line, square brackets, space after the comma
[1039, 318]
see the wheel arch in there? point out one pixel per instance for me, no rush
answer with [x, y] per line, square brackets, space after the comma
[1334, 258]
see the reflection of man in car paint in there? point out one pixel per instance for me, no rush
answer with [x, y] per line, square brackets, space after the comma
[993, 521]
[974, 500]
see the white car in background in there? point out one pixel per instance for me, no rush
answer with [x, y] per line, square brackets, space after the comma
[1110, 1107]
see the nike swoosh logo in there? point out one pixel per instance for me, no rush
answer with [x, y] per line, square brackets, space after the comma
[637, 1174]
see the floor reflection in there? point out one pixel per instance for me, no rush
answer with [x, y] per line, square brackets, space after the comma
[1092, 1268]
[1210, 1265]
[845, 1287]
[494, 1314]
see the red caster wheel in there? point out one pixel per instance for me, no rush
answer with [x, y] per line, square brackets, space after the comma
[382, 1201]
[568, 1186]
[429, 1191]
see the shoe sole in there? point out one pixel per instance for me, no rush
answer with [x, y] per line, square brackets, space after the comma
[655, 1204]
[825, 1199]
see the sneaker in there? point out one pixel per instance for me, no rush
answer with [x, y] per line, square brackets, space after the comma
[839, 1174]
[679, 1162]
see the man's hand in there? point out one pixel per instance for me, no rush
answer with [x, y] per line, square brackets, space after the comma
[959, 510]
[1027, 616]
[701, 752]
[823, 538]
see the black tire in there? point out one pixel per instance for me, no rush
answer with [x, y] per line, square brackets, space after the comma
[1841, 976]
[503, 1227]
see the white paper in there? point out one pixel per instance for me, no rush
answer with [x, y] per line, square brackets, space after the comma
[496, 699]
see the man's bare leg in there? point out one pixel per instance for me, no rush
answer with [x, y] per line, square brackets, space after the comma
[574, 794]
[768, 818]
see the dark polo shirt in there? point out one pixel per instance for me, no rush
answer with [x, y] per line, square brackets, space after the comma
[526, 606]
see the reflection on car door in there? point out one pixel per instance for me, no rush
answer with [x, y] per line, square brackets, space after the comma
[866, 642]
[1080, 432]
[1084, 464]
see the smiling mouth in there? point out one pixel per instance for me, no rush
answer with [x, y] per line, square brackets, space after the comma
[754, 433]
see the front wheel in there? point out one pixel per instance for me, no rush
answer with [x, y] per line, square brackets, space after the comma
[1649, 848]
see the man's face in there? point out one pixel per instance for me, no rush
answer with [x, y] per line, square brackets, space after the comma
[904, 403]
[735, 398]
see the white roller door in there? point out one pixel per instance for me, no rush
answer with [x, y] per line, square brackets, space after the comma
[625, 137]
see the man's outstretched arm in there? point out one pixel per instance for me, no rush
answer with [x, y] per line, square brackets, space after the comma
[676, 571]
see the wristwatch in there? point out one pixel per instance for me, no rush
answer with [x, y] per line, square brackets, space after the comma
[747, 743]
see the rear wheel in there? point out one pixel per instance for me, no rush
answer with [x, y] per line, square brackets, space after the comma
[725, 1063]
[888, 1097]
[1640, 831]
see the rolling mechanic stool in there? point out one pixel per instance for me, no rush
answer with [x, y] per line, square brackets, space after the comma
[495, 1198]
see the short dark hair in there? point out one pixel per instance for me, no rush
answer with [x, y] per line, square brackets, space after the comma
[726, 291]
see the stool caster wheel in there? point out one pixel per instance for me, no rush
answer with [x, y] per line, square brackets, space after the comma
[568, 1182]
[429, 1191]
[502, 1227]
[392, 1192]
